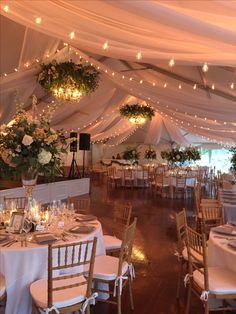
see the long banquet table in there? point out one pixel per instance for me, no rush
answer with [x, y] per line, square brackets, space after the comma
[23, 265]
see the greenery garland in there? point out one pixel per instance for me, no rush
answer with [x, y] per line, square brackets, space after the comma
[136, 110]
[66, 75]
[108, 164]
[131, 153]
[180, 155]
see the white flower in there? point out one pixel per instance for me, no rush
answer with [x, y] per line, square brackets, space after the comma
[178, 157]
[18, 149]
[51, 138]
[44, 157]
[27, 140]
[3, 128]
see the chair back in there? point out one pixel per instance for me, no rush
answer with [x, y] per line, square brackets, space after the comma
[197, 197]
[19, 202]
[127, 245]
[82, 205]
[128, 174]
[180, 219]
[111, 171]
[180, 182]
[122, 213]
[71, 256]
[196, 246]
[212, 216]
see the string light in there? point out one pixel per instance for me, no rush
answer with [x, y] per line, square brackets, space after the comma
[205, 67]
[16, 70]
[38, 20]
[6, 8]
[72, 35]
[213, 86]
[232, 86]
[195, 86]
[180, 86]
[171, 62]
[105, 45]
[139, 55]
[165, 85]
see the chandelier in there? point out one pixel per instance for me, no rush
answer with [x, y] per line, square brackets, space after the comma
[137, 114]
[68, 80]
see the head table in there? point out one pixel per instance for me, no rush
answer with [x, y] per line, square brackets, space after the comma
[23, 265]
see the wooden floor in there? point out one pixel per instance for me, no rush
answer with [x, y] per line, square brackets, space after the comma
[155, 264]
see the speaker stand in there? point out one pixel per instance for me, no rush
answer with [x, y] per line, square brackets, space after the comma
[83, 163]
[74, 170]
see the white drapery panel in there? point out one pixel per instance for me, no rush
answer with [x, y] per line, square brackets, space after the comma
[188, 31]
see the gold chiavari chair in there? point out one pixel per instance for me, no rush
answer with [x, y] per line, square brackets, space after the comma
[81, 205]
[212, 216]
[143, 178]
[162, 184]
[116, 272]
[113, 179]
[3, 294]
[20, 202]
[68, 291]
[129, 178]
[205, 281]
[121, 219]
[180, 187]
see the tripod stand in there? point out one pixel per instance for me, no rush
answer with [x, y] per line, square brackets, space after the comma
[74, 170]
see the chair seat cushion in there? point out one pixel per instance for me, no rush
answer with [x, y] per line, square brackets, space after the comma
[197, 256]
[61, 298]
[2, 285]
[111, 243]
[106, 267]
[221, 281]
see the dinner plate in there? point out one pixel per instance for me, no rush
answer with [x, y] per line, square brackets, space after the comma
[3, 237]
[232, 243]
[44, 238]
[225, 230]
[82, 229]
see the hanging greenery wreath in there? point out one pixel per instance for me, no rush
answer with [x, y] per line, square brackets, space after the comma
[68, 80]
[137, 112]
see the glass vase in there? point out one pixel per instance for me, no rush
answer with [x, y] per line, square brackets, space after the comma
[29, 180]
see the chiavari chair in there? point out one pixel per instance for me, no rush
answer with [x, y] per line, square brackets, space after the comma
[205, 281]
[65, 292]
[116, 272]
[121, 219]
[212, 216]
[3, 294]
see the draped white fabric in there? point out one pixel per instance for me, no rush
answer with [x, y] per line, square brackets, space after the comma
[191, 32]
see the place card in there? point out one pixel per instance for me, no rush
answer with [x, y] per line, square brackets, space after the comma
[39, 228]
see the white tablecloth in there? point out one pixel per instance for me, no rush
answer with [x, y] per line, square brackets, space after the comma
[220, 254]
[23, 265]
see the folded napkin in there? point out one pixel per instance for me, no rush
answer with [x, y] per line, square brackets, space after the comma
[44, 238]
[82, 229]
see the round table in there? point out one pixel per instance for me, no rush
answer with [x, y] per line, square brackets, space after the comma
[23, 265]
[219, 253]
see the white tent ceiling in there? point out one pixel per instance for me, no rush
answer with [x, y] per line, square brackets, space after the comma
[190, 32]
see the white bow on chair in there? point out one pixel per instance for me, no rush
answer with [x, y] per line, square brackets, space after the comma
[119, 284]
[53, 308]
[87, 301]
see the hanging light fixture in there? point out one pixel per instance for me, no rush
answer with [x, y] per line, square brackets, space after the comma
[137, 114]
[67, 80]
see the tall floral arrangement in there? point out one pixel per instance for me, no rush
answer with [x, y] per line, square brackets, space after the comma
[180, 156]
[131, 153]
[28, 143]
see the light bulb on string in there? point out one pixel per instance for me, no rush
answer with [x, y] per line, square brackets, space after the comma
[213, 86]
[232, 86]
[205, 67]
[6, 8]
[38, 20]
[139, 55]
[105, 45]
[171, 62]
[195, 86]
[72, 35]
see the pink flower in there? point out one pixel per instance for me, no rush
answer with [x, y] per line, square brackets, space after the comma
[27, 140]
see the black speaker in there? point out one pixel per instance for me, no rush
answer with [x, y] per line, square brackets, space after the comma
[73, 145]
[84, 141]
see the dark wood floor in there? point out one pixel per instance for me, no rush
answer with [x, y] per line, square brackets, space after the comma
[155, 264]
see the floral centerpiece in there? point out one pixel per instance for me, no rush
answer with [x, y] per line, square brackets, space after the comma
[29, 145]
[180, 156]
[131, 154]
[150, 154]
[137, 113]
[67, 80]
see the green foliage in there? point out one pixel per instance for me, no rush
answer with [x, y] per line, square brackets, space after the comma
[150, 154]
[181, 156]
[136, 110]
[233, 159]
[68, 74]
[131, 154]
